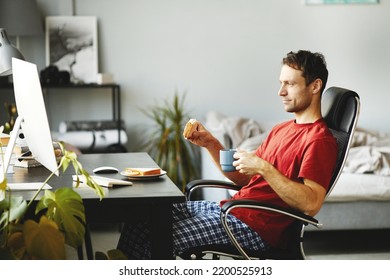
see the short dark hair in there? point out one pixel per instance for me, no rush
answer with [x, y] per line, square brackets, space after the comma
[312, 65]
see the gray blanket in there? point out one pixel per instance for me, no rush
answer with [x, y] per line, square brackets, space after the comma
[369, 153]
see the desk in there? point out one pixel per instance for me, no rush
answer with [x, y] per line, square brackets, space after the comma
[149, 200]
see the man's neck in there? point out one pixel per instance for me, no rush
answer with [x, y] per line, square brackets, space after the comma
[309, 115]
[307, 118]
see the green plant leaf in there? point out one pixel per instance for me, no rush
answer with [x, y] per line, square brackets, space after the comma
[5, 254]
[13, 209]
[65, 207]
[64, 220]
[100, 256]
[92, 184]
[3, 185]
[44, 240]
[113, 254]
[16, 245]
[116, 254]
[69, 158]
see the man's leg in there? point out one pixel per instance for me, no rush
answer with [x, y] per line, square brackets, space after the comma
[134, 241]
[202, 226]
[195, 223]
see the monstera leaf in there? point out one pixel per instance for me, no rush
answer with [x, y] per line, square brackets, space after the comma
[113, 254]
[11, 209]
[41, 240]
[61, 217]
[65, 207]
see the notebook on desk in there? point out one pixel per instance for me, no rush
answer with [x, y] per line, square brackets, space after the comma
[28, 186]
[104, 181]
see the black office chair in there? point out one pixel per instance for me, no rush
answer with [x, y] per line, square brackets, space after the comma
[340, 109]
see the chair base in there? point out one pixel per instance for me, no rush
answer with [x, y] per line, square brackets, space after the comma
[218, 251]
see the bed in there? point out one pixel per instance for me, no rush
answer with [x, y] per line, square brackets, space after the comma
[361, 197]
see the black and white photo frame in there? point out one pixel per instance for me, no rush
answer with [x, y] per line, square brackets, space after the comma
[71, 45]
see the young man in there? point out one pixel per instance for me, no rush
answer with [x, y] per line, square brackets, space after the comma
[291, 168]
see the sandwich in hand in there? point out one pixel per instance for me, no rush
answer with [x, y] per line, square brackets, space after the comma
[143, 171]
[190, 127]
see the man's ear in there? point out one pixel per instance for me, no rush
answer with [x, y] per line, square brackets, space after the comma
[317, 85]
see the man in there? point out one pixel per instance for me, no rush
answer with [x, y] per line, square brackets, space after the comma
[291, 168]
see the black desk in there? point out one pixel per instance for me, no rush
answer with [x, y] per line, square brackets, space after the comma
[149, 200]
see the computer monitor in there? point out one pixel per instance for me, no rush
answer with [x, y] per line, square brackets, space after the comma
[32, 117]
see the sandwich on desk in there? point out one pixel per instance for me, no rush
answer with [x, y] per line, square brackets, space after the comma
[142, 171]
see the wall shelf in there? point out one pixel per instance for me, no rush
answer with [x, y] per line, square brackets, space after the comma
[114, 89]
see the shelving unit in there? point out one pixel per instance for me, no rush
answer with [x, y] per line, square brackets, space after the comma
[114, 89]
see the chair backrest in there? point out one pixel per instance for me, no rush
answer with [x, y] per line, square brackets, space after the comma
[340, 109]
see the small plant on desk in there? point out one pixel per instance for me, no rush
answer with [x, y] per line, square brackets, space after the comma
[59, 218]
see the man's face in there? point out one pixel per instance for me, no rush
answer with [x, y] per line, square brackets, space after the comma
[293, 90]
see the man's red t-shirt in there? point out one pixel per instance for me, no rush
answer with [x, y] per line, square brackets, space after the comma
[298, 151]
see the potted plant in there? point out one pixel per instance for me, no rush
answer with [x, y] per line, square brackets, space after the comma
[166, 144]
[58, 218]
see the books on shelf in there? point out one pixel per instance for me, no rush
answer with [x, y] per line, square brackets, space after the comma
[24, 158]
[4, 138]
[27, 163]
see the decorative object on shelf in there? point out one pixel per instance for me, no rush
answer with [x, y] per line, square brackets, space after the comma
[89, 141]
[52, 76]
[66, 126]
[71, 45]
[92, 136]
[167, 145]
[104, 78]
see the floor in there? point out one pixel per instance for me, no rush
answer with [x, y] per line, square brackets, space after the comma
[319, 245]
[348, 245]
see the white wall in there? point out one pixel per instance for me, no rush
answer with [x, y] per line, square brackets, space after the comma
[226, 54]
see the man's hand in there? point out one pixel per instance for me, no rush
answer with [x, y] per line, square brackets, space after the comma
[248, 163]
[306, 197]
[201, 136]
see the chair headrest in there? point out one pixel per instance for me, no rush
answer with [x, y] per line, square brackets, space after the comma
[338, 106]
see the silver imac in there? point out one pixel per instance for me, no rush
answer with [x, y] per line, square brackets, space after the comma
[32, 117]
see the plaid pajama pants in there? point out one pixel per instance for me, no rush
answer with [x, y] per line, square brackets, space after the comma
[195, 223]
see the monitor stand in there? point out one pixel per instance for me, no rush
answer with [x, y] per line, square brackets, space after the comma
[7, 159]
[10, 148]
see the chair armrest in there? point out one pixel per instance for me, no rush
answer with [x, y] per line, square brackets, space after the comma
[246, 203]
[206, 183]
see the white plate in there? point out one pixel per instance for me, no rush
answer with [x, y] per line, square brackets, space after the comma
[142, 177]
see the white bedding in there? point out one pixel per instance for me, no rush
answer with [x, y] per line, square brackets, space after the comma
[366, 173]
[352, 187]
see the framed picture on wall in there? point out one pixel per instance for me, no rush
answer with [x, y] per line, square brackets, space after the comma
[71, 45]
